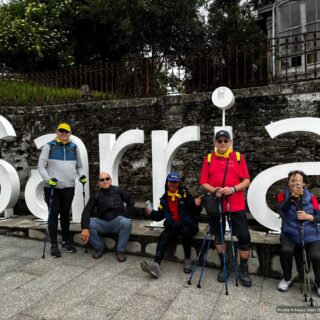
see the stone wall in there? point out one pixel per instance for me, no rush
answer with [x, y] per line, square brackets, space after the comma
[254, 109]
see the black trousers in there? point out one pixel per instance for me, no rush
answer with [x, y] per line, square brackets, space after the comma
[61, 203]
[186, 231]
[290, 249]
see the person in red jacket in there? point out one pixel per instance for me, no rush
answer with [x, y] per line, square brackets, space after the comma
[232, 192]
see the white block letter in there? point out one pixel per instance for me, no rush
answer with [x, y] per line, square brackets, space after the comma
[163, 153]
[34, 188]
[259, 186]
[9, 179]
[112, 150]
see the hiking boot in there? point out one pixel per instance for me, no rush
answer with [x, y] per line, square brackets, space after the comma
[220, 276]
[66, 245]
[121, 257]
[317, 289]
[153, 268]
[187, 266]
[99, 252]
[55, 251]
[243, 275]
[284, 285]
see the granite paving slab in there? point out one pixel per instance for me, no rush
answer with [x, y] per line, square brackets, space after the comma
[76, 286]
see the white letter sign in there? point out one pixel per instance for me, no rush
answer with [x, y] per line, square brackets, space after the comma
[9, 179]
[258, 189]
[34, 194]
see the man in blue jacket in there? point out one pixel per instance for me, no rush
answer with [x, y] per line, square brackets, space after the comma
[59, 165]
[179, 209]
[299, 210]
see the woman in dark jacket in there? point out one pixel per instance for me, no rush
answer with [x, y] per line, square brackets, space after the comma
[179, 209]
[299, 210]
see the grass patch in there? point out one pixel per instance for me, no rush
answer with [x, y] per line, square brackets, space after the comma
[19, 92]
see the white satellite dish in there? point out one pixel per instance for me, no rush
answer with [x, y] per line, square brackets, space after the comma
[223, 98]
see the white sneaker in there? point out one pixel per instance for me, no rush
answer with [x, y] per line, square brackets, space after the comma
[284, 285]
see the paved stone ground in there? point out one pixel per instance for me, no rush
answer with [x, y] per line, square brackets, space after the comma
[79, 287]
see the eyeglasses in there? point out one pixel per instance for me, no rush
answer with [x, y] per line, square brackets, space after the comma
[223, 140]
[63, 131]
[105, 179]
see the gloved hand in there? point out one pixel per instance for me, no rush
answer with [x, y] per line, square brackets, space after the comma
[83, 179]
[85, 235]
[53, 182]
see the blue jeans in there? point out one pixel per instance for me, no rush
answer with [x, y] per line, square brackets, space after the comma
[119, 225]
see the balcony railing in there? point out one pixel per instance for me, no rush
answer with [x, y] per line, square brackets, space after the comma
[285, 59]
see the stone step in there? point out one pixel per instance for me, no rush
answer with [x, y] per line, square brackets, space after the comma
[143, 241]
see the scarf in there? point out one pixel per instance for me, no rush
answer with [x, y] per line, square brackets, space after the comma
[174, 195]
[60, 141]
[225, 155]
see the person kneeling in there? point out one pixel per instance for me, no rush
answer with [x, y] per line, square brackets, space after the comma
[179, 210]
[112, 217]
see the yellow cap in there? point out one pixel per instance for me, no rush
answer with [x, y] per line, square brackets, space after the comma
[64, 126]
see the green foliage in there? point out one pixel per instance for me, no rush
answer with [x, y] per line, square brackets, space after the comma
[107, 29]
[49, 34]
[231, 24]
[32, 34]
[19, 92]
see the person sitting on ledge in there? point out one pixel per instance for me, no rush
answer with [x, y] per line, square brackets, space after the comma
[299, 210]
[112, 217]
[179, 209]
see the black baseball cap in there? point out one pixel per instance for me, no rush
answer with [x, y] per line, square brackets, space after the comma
[222, 133]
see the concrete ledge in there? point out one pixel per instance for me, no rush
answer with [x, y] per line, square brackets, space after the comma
[143, 240]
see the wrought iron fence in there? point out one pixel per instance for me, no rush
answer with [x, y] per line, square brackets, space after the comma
[289, 58]
[295, 57]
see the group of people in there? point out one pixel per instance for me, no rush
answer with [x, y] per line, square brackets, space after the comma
[224, 175]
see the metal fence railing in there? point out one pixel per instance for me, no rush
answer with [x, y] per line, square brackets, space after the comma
[284, 59]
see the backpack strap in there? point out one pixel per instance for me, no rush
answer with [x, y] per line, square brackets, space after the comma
[209, 157]
[238, 156]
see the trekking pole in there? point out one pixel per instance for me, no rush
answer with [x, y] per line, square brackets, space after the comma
[198, 256]
[234, 258]
[84, 204]
[223, 249]
[306, 279]
[204, 261]
[47, 229]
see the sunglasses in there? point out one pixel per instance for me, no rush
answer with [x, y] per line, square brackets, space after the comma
[105, 179]
[223, 140]
[63, 131]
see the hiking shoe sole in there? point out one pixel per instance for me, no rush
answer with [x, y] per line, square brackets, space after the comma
[245, 284]
[144, 266]
[154, 275]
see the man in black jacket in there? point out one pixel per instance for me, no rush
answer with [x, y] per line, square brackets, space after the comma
[113, 217]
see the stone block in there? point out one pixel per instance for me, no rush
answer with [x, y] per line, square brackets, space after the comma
[35, 234]
[134, 247]
[151, 248]
[110, 243]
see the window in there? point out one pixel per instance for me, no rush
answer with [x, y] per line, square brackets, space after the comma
[290, 18]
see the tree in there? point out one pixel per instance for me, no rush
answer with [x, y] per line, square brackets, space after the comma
[232, 24]
[32, 36]
[109, 30]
